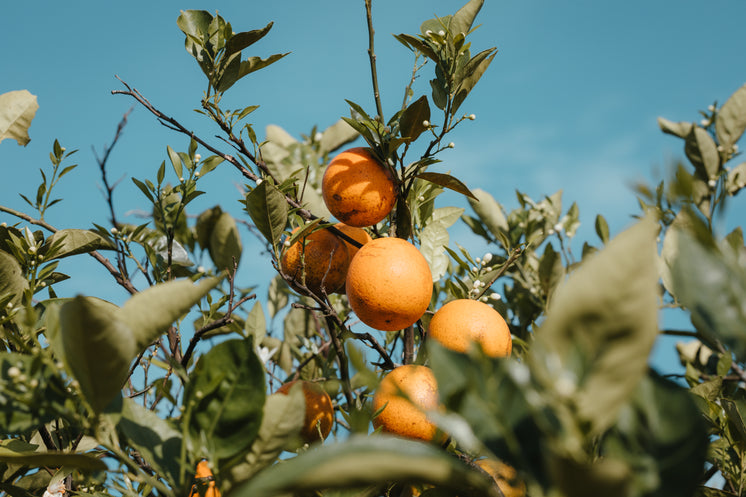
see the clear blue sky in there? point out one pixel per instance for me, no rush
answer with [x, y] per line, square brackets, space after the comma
[570, 102]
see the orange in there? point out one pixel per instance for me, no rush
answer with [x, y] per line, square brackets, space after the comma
[404, 394]
[319, 410]
[389, 284]
[461, 322]
[357, 189]
[204, 482]
[320, 257]
[358, 234]
[505, 476]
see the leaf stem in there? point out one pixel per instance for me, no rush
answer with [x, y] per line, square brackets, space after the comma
[372, 57]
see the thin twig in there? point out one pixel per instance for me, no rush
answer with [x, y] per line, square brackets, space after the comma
[372, 57]
[121, 279]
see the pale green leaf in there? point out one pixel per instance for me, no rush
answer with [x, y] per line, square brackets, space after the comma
[256, 323]
[730, 121]
[225, 242]
[151, 312]
[12, 281]
[336, 135]
[490, 212]
[601, 326]
[702, 151]
[98, 348]
[17, 110]
[67, 242]
[680, 129]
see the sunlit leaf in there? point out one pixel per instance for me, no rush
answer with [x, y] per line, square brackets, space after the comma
[17, 110]
[151, 312]
[680, 129]
[225, 242]
[730, 121]
[67, 242]
[98, 348]
[447, 181]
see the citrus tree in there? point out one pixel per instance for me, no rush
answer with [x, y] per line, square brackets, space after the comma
[403, 366]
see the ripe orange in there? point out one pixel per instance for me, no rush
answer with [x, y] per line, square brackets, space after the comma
[463, 321]
[505, 476]
[389, 284]
[319, 411]
[204, 482]
[321, 257]
[357, 189]
[357, 234]
[406, 392]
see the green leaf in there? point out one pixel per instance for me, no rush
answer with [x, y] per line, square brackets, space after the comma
[711, 286]
[151, 312]
[17, 110]
[463, 19]
[662, 437]
[416, 44]
[366, 460]
[205, 224]
[268, 209]
[12, 281]
[224, 398]
[175, 162]
[52, 459]
[411, 121]
[470, 76]
[154, 437]
[242, 40]
[601, 326]
[336, 135]
[256, 323]
[490, 212]
[225, 242]
[434, 239]
[702, 151]
[67, 242]
[282, 419]
[736, 179]
[255, 63]
[730, 121]
[98, 348]
[448, 181]
[680, 129]
[602, 228]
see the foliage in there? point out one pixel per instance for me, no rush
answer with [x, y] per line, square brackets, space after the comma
[127, 399]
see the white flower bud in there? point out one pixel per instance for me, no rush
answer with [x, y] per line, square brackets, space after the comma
[487, 258]
[495, 296]
[472, 117]
[421, 198]
[712, 183]
[13, 372]
[451, 145]
[181, 179]
[475, 269]
[441, 33]
[317, 137]
[114, 231]
[711, 108]
[259, 181]
[705, 122]
[197, 157]
[479, 261]
[426, 123]
[200, 269]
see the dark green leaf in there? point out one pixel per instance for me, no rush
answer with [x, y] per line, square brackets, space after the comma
[242, 40]
[601, 326]
[224, 398]
[602, 228]
[662, 437]
[411, 121]
[730, 121]
[447, 181]
[98, 348]
[268, 209]
[463, 19]
[52, 459]
[282, 419]
[154, 437]
[143, 188]
[470, 76]
[414, 43]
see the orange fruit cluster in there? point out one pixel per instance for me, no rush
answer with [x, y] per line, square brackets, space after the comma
[319, 410]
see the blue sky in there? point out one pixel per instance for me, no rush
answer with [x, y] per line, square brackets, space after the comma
[570, 102]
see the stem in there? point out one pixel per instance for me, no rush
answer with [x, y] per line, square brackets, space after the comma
[372, 57]
[121, 279]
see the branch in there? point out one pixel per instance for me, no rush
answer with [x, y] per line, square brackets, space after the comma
[372, 57]
[119, 277]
